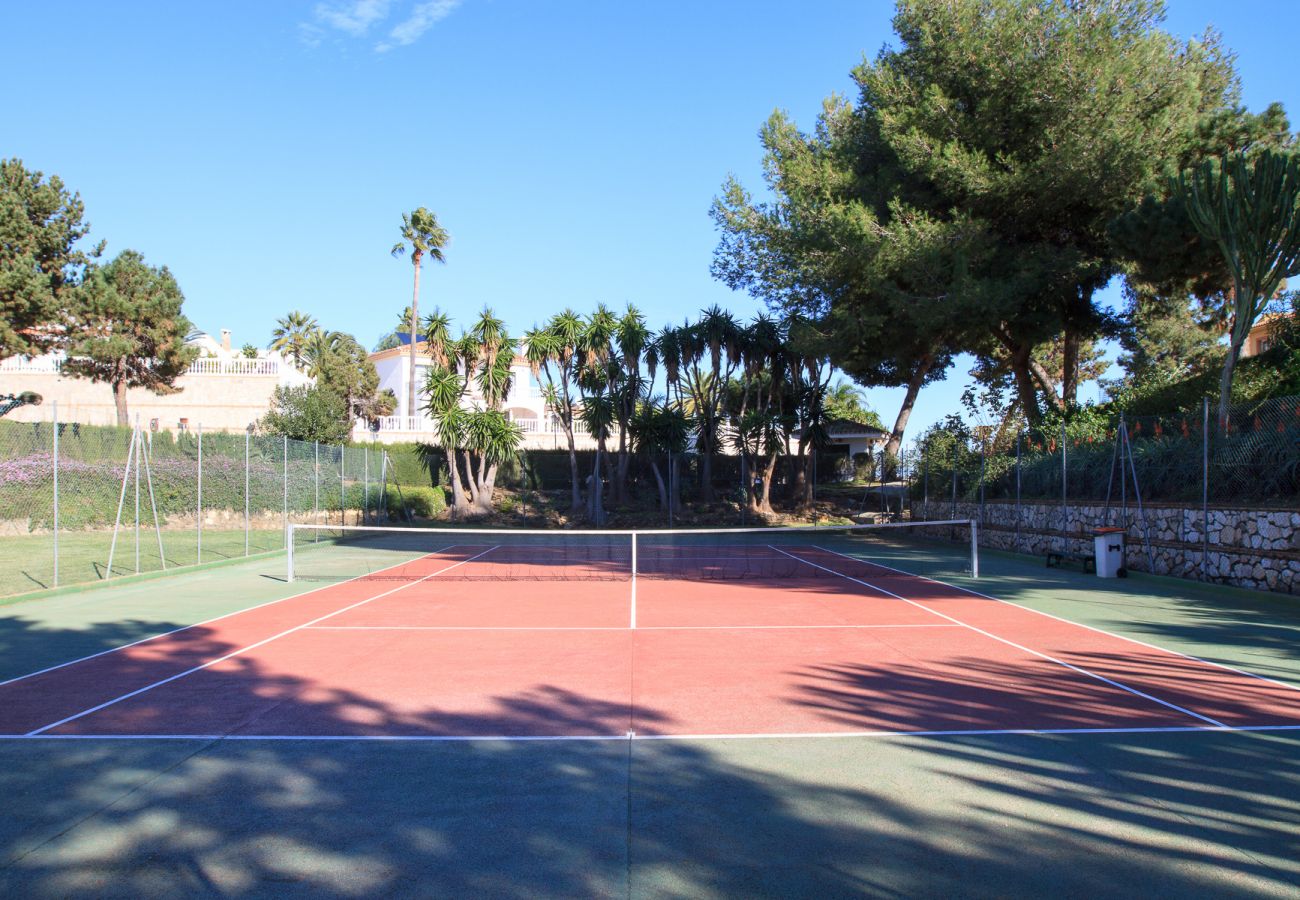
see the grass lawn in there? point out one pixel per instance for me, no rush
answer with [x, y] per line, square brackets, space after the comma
[28, 560]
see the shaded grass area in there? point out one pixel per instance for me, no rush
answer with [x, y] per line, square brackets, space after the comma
[1151, 815]
[27, 561]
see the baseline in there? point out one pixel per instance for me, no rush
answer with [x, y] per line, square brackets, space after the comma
[634, 736]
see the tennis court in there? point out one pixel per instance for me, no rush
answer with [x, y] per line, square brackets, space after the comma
[770, 711]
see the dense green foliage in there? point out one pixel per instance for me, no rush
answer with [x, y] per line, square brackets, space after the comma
[965, 200]
[128, 330]
[307, 413]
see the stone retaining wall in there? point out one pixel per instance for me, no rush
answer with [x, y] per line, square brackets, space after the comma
[1251, 548]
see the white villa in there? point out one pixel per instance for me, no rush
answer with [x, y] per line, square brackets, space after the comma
[525, 405]
[222, 391]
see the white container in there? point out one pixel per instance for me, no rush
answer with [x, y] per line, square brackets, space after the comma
[1108, 545]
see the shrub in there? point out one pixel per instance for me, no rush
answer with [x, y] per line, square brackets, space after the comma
[423, 502]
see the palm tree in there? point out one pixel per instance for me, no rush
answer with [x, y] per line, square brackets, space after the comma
[631, 338]
[552, 353]
[317, 346]
[291, 334]
[423, 234]
[476, 441]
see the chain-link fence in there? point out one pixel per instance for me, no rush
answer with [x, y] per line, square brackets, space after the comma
[1219, 500]
[1252, 458]
[72, 496]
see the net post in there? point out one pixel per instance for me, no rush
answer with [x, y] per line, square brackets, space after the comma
[288, 551]
[974, 548]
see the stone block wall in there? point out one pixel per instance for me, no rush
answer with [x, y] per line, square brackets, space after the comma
[1253, 548]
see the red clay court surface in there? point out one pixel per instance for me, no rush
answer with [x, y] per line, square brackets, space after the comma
[859, 649]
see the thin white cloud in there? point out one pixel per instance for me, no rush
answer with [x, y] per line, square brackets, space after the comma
[353, 17]
[423, 17]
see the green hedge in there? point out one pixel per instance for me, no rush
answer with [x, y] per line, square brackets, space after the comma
[92, 461]
[422, 502]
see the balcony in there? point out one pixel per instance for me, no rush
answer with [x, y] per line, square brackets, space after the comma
[52, 364]
[427, 426]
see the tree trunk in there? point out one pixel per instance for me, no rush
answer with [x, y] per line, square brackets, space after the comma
[762, 499]
[596, 495]
[119, 400]
[706, 470]
[1026, 395]
[575, 483]
[1007, 419]
[620, 473]
[1046, 382]
[415, 328]
[486, 488]
[1070, 367]
[471, 479]
[1225, 384]
[459, 503]
[895, 442]
[659, 483]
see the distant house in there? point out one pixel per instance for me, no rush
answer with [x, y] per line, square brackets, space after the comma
[1263, 334]
[222, 391]
[525, 405]
[855, 437]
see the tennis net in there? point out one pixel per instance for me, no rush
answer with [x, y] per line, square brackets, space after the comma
[349, 552]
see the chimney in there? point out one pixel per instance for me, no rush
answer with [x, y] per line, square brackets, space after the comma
[225, 339]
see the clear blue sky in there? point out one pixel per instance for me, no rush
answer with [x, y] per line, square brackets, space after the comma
[266, 150]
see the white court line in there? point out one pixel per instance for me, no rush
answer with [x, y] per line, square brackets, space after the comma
[608, 627]
[245, 649]
[633, 736]
[163, 634]
[1132, 640]
[1021, 647]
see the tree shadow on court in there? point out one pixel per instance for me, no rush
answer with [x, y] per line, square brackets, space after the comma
[1012, 815]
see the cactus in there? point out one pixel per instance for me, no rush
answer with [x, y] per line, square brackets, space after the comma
[1248, 208]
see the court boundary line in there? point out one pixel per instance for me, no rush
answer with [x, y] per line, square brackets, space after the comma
[635, 736]
[246, 648]
[163, 634]
[613, 627]
[1209, 662]
[1021, 647]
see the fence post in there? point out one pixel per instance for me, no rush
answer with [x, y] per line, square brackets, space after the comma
[55, 462]
[246, 439]
[343, 490]
[925, 487]
[199, 507]
[953, 512]
[671, 484]
[1065, 509]
[983, 453]
[1205, 489]
[315, 481]
[1019, 440]
[365, 490]
[284, 516]
[138, 454]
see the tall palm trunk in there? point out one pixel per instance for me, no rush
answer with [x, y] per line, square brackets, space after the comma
[415, 329]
